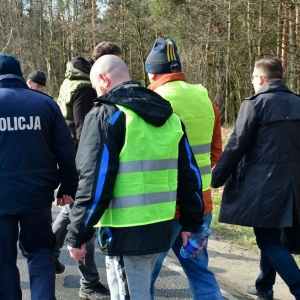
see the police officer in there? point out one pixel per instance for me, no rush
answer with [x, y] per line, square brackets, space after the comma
[34, 140]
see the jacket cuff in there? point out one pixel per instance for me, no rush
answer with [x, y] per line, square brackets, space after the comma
[190, 228]
[215, 183]
[66, 190]
[74, 243]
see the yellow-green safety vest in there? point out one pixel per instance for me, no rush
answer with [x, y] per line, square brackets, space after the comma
[146, 184]
[192, 104]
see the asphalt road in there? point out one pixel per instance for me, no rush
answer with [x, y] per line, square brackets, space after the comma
[171, 284]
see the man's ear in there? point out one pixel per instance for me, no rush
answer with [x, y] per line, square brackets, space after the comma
[262, 80]
[104, 80]
[153, 77]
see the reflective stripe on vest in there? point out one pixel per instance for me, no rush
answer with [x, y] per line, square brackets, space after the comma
[146, 184]
[146, 199]
[202, 149]
[147, 165]
[192, 104]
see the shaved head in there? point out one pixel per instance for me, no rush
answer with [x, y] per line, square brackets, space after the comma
[107, 72]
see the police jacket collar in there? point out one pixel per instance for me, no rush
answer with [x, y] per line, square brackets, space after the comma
[12, 81]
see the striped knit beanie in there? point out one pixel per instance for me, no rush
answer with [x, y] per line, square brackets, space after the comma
[163, 57]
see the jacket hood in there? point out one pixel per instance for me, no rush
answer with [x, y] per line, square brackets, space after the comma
[82, 64]
[78, 69]
[147, 104]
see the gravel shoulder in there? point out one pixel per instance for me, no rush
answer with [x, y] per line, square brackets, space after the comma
[235, 267]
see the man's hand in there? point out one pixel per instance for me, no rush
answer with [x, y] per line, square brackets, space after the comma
[64, 200]
[77, 253]
[185, 236]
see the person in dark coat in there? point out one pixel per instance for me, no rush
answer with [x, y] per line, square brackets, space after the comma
[34, 142]
[260, 169]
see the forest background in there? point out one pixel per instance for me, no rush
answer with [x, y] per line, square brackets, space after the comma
[218, 41]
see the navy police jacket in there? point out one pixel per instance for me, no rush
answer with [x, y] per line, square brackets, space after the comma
[36, 149]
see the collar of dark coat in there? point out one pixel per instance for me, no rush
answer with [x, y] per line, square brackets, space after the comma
[275, 86]
[12, 81]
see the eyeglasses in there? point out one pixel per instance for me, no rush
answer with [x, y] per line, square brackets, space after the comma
[252, 76]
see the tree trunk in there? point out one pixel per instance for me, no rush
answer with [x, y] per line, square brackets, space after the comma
[260, 28]
[227, 76]
[285, 37]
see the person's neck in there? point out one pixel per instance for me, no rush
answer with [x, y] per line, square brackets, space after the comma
[165, 78]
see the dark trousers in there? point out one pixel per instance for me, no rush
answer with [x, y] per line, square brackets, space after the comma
[87, 267]
[276, 258]
[36, 239]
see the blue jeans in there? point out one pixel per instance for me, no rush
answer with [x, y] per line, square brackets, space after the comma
[36, 240]
[87, 267]
[275, 258]
[202, 281]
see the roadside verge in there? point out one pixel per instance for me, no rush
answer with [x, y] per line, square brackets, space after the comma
[235, 267]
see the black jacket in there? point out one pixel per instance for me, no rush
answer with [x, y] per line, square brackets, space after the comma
[261, 162]
[105, 128]
[34, 140]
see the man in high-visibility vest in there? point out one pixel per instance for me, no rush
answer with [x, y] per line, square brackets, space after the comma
[202, 122]
[134, 161]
